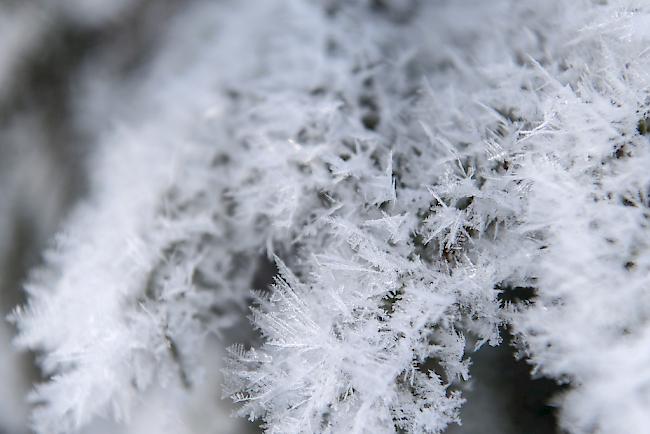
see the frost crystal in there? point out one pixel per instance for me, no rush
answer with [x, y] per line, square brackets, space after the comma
[404, 164]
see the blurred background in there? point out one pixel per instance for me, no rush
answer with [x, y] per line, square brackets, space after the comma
[47, 50]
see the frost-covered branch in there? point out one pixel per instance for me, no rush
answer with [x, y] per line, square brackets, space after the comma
[405, 164]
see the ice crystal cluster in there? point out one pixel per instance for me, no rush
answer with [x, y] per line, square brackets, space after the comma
[406, 165]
